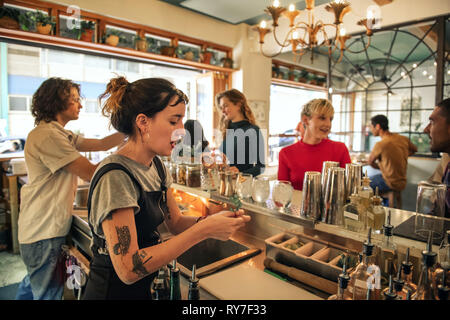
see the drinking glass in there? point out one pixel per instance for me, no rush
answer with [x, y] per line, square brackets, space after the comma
[430, 209]
[260, 189]
[282, 194]
[244, 185]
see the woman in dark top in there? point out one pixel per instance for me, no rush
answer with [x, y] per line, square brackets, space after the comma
[243, 143]
[129, 196]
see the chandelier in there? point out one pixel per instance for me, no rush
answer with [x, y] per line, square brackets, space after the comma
[305, 36]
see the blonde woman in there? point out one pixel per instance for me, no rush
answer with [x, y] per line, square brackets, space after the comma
[314, 148]
[129, 196]
[243, 143]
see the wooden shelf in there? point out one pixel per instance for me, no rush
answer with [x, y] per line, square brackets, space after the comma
[298, 84]
[61, 42]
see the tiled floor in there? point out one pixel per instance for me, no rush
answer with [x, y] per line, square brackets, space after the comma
[12, 268]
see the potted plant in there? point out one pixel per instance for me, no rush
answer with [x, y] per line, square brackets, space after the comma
[44, 23]
[9, 18]
[275, 71]
[169, 51]
[227, 62]
[141, 43]
[112, 37]
[27, 21]
[87, 30]
[205, 56]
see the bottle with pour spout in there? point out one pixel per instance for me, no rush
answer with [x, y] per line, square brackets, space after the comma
[425, 289]
[193, 293]
[343, 281]
[388, 258]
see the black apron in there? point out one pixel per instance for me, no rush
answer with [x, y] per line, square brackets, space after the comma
[103, 282]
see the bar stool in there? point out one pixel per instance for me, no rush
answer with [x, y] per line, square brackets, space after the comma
[394, 198]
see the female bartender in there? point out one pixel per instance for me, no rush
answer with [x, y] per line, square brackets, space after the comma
[129, 196]
[243, 143]
[314, 148]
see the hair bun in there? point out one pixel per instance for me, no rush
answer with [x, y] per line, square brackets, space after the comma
[116, 84]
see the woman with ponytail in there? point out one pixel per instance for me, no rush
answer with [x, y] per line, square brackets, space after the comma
[243, 143]
[129, 196]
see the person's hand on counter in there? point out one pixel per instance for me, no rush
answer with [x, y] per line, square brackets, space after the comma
[224, 224]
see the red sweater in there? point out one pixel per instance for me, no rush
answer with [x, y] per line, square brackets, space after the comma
[296, 159]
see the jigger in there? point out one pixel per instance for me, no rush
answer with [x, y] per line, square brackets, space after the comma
[311, 193]
[334, 198]
[353, 174]
[325, 166]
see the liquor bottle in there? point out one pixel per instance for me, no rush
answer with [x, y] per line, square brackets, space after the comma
[175, 291]
[365, 193]
[343, 281]
[443, 289]
[389, 293]
[443, 268]
[399, 284]
[388, 252]
[425, 290]
[160, 289]
[376, 213]
[367, 274]
[348, 294]
[353, 220]
[407, 268]
[193, 293]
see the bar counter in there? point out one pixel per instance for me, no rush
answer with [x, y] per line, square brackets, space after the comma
[267, 222]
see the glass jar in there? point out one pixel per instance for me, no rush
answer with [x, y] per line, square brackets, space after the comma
[181, 173]
[209, 178]
[172, 168]
[193, 175]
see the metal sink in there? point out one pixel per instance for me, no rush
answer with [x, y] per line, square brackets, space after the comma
[212, 255]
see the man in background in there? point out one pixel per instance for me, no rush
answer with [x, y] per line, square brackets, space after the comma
[439, 131]
[390, 156]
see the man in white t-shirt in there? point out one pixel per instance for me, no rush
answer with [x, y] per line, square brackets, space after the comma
[53, 159]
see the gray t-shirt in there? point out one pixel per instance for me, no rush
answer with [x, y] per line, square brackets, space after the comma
[116, 190]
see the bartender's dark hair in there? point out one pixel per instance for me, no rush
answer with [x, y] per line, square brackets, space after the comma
[52, 97]
[382, 120]
[444, 105]
[126, 100]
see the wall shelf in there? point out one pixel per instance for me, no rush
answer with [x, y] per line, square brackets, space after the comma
[61, 42]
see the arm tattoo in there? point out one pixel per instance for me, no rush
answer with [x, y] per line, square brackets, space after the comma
[124, 237]
[138, 263]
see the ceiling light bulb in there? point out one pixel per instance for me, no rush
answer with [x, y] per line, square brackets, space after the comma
[276, 3]
[430, 77]
[435, 64]
[370, 14]
[402, 73]
[263, 24]
[448, 72]
[295, 35]
[425, 72]
[291, 7]
[414, 65]
[342, 32]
